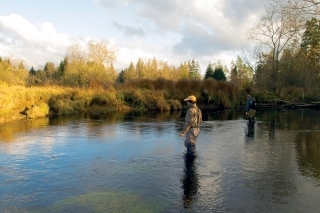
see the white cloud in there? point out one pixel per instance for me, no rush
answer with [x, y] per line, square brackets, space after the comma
[170, 30]
[36, 45]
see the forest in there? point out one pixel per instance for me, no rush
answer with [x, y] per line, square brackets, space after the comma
[283, 69]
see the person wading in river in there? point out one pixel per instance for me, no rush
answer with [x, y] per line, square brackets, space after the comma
[250, 110]
[191, 128]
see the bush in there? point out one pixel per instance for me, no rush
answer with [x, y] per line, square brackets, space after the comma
[39, 111]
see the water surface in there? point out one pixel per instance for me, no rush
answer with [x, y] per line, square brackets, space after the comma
[137, 163]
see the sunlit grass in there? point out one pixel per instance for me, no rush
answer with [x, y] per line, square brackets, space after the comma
[21, 102]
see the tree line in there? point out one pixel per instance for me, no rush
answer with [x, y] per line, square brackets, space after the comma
[285, 63]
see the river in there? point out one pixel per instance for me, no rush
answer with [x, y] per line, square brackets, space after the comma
[136, 162]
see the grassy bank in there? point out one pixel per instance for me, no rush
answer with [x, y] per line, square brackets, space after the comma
[21, 102]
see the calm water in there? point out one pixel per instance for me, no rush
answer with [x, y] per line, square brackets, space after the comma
[136, 163]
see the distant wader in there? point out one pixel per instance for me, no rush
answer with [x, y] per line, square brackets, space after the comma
[192, 121]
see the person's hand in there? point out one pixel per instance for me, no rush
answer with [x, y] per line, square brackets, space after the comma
[246, 113]
[180, 135]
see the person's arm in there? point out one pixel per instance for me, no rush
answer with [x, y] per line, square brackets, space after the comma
[200, 117]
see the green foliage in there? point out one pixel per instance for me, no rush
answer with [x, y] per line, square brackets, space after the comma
[32, 71]
[209, 72]
[219, 75]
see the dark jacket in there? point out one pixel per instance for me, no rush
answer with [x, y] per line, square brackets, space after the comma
[248, 104]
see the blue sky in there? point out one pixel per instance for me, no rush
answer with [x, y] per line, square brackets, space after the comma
[175, 31]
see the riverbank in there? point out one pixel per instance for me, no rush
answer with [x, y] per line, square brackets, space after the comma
[21, 102]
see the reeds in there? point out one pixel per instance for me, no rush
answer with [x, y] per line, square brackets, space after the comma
[159, 94]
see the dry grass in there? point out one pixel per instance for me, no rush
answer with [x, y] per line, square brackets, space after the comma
[159, 94]
[19, 102]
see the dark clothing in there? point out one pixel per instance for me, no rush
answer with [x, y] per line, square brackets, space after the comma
[250, 111]
[248, 104]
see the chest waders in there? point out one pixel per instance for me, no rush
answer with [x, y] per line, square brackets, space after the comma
[192, 133]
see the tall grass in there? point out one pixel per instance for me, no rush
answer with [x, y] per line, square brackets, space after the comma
[19, 102]
[159, 94]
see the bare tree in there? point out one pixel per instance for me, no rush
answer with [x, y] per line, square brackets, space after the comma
[303, 7]
[101, 52]
[76, 53]
[275, 31]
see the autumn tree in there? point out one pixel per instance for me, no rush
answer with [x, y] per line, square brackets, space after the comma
[88, 63]
[129, 73]
[241, 73]
[13, 72]
[50, 70]
[275, 31]
[194, 69]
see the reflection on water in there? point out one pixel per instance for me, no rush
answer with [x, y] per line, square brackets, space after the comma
[135, 162]
[250, 130]
[308, 154]
[91, 202]
[190, 182]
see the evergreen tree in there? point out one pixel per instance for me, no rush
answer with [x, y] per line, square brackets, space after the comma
[219, 75]
[121, 77]
[140, 68]
[209, 72]
[63, 67]
[310, 46]
[32, 71]
[194, 69]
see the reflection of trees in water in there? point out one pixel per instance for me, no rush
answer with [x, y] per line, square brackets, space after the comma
[190, 182]
[290, 119]
[222, 115]
[282, 119]
[308, 154]
[11, 129]
[152, 115]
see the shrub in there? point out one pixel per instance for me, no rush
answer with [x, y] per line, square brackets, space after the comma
[39, 111]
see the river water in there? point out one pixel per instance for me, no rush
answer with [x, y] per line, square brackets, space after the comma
[136, 162]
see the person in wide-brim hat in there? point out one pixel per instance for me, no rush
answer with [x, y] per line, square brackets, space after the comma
[191, 128]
